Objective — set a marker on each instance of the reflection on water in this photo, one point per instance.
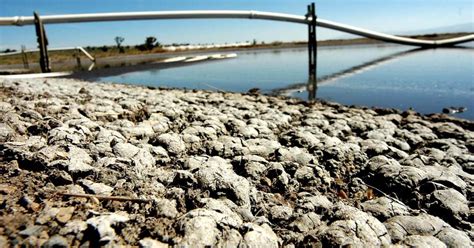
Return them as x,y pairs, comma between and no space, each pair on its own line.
312,88
384,76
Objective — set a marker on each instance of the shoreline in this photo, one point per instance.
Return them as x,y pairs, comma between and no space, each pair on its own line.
86,163
69,61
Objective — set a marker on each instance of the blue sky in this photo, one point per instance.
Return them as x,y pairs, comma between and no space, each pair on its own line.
392,16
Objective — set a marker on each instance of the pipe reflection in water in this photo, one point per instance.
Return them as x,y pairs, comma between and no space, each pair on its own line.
291,89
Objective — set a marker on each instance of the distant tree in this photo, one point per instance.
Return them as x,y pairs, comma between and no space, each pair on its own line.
119,40
104,48
150,42
254,42
8,50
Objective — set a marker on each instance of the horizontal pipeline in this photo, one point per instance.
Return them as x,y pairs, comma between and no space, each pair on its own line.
221,14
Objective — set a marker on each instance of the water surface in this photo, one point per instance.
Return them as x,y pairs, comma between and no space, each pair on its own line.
373,75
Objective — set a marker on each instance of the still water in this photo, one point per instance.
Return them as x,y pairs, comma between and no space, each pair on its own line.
373,75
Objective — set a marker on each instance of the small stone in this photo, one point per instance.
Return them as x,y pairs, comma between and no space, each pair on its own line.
56,242
79,160
200,231
73,227
64,214
47,214
384,208
60,177
151,243
449,205
423,241
3,241
166,208
454,238
171,141
306,222
103,225
7,189
32,231
125,150
281,212
424,224
27,203
260,236
96,188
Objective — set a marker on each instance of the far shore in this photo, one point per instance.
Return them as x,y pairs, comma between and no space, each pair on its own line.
66,60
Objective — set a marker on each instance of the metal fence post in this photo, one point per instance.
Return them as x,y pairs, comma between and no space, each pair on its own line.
42,43
24,57
312,85
312,46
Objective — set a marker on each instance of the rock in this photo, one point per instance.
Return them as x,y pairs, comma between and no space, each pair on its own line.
65,136
56,241
449,205
60,177
32,231
449,130
225,146
125,150
151,243
306,222
96,188
107,135
399,227
219,180
228,208
28,203
3,241
166,208
280,213
259,236
171,141
422,241
79,161
262,147
300,139
374,147
105,223
388,173
384,208
454,238
441,175
6,132
354,227
250,166
306,176
230,238
46,214
294,154
73,227
200,228
280,180
64,214
313,203
184,178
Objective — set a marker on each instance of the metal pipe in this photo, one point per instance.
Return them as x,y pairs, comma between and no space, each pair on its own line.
198,14
154,15
392,38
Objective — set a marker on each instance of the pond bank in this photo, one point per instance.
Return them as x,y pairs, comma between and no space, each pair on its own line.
203,168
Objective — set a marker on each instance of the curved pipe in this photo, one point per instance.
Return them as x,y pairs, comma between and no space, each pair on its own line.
205,14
